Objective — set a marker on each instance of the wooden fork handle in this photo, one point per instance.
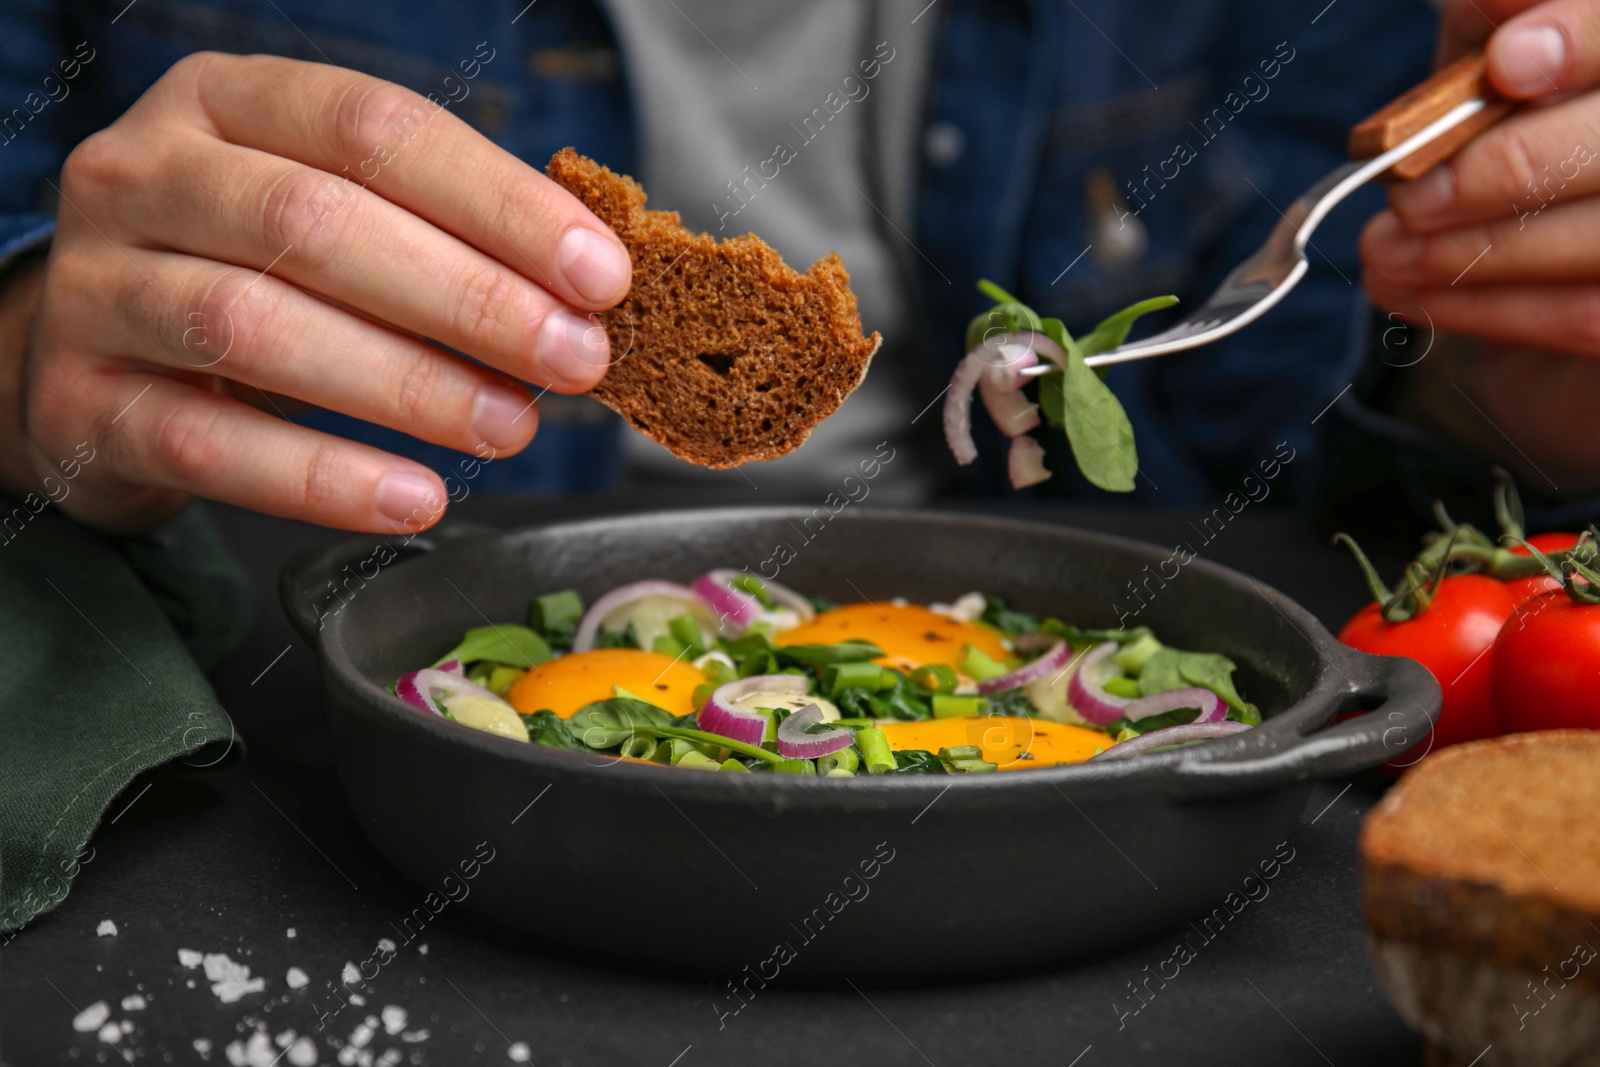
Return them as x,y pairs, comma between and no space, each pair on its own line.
1408,113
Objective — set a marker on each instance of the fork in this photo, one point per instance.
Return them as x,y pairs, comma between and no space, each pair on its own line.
1403,140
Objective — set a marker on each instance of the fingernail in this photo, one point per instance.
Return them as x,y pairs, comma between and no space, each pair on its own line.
597,266
572,351
1428,195
408,496
500,414
1529,58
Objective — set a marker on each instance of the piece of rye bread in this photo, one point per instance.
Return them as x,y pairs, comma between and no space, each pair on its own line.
1481,877
721,352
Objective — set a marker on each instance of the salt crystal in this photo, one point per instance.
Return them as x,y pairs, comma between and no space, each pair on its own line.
390,1057
133,1002
303,1053
519,1052
361,1035
127,1026
91,1017
350,976
110,1033
289,932
358,1000
386,944
255,1053
189,957
229,980
422,949
411,1037
394,1019
285,1039
107,928
296,978
203,1046
190,983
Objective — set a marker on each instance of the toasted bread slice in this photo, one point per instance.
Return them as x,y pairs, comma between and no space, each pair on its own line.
721,352
1481,873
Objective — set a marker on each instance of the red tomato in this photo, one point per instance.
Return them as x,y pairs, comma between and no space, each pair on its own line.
1546,672
1524,588
1451,638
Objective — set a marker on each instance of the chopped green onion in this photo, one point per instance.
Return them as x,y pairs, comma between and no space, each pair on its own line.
686,629
936,678
951,706
668,645
875,751
702,693
840,764
868,676
731,764
696,761
554,611
501,679
979,665
1131,657
749,583
1125,734
1122,687
796,766
965,759
638,747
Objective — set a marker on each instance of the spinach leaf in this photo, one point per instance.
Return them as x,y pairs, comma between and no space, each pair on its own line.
628,638
1010,702
902,701
1007,316
997,614
819,604
1097,428
545,728
1171,668
608,723
1113,330
828,655
515,646
917,761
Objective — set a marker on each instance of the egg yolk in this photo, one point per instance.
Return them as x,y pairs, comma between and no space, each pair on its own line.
911,636
1013,742
567,683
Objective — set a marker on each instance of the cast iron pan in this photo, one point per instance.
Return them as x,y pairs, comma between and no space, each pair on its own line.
891,879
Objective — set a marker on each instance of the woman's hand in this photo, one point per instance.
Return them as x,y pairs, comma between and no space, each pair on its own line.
1502,243
255,229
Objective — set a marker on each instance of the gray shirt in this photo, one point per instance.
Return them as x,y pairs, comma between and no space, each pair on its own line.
830,92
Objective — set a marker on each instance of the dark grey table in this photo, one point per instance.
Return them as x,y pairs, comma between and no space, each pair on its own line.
228,861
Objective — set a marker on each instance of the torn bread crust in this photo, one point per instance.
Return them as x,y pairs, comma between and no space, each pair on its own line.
721,353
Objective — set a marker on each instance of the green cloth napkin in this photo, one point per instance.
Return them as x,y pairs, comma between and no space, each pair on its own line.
104,645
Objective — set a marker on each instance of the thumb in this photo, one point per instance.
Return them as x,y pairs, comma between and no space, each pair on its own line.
1553,47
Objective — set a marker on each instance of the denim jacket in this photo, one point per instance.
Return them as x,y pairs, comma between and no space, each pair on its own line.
1082,153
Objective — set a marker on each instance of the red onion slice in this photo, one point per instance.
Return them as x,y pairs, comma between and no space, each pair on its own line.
589,626
1025,464
1086,693
1050,663
736,609
422,689
958,408
795,743
1170,735
1212,709
721,715
996,365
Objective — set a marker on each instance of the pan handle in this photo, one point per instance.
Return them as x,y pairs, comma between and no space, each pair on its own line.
1400,699
307,581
